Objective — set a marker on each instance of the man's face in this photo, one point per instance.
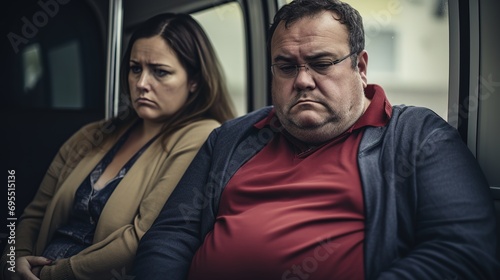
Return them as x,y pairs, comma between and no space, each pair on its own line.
316,107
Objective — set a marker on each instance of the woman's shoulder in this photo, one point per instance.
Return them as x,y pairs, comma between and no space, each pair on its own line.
198,126
204,123
94,134
85,131
97,127
196,131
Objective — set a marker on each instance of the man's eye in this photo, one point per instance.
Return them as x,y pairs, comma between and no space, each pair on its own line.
135,69
320,65
287,68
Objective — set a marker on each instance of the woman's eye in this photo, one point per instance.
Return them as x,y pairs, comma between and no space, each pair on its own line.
135,69
160,72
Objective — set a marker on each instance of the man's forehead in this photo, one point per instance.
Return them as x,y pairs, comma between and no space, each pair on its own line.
320,23
311,30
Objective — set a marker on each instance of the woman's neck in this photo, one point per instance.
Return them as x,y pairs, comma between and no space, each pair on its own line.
148,130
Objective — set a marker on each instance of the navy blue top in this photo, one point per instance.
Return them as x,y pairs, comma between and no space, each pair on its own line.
78,233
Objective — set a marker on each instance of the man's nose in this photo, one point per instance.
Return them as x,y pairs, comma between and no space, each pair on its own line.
304,79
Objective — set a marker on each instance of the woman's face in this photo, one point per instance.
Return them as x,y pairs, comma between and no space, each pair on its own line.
158,83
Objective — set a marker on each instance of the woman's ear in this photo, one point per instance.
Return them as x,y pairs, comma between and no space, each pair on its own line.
193,86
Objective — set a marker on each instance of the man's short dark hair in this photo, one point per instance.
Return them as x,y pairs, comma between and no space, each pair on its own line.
345,14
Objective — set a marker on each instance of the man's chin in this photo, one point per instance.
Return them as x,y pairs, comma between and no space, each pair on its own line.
308,120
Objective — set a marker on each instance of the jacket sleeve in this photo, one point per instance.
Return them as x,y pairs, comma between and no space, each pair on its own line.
168,247
30,221
452,222
113,256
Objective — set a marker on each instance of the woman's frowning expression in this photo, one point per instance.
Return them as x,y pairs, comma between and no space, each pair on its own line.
159,84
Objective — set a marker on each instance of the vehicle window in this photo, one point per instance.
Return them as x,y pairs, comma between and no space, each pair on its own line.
32,67
66,79
57,62
225,28
408,50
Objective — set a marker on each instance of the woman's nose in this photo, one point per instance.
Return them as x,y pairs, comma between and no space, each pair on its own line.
143,83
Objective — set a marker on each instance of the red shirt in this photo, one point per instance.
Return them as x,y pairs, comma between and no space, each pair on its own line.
288,214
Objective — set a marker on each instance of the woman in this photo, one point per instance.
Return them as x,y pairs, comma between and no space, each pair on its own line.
109,181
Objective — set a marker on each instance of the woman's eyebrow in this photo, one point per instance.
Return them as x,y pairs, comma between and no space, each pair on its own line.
154,64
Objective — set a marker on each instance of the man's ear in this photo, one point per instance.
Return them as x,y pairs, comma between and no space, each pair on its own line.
363,66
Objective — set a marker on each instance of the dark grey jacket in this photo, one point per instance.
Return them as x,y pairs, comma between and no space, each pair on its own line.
427,205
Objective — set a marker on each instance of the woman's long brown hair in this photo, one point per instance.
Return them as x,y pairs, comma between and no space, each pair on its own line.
185,36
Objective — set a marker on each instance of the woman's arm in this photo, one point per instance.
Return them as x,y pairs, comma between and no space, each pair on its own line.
30,221
113,256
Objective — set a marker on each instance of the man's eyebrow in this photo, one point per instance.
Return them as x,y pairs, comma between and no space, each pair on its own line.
281,58
319,56
316,56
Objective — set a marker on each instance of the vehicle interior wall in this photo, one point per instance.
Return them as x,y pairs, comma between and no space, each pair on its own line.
488,104
53,82
489,97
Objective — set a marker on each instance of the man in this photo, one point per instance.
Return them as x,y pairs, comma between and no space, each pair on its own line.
330,183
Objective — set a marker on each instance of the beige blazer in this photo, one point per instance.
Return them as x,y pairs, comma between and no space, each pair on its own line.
127,215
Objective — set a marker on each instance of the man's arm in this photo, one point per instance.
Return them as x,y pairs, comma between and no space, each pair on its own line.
454,231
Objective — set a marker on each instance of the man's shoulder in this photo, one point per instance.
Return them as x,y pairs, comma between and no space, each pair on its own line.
409,125
246,121
239,128
409,110
415,116
419,122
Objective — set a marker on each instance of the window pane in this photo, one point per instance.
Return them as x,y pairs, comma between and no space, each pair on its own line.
225,28
32,67
66,76
419,49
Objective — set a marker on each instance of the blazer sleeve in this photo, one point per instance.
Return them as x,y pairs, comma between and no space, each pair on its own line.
27,230
453,226
168,247
113,256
